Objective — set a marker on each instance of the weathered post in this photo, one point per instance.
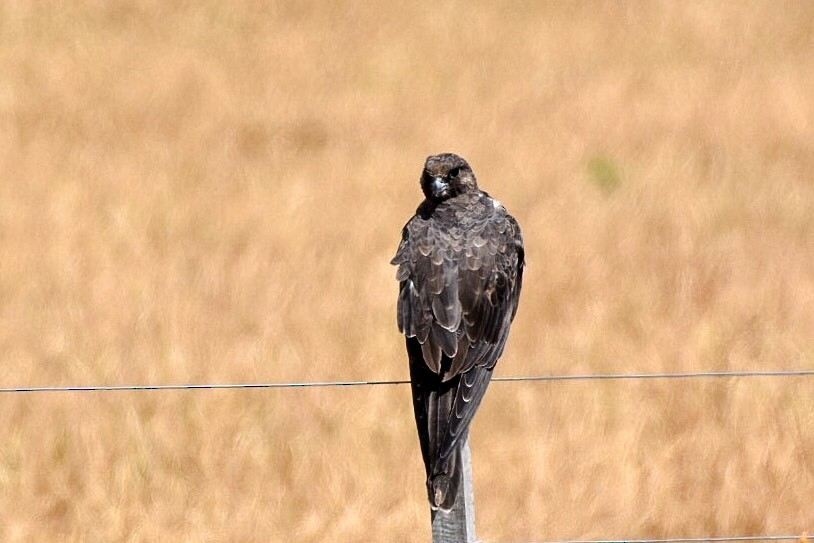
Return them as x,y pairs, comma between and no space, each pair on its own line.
458,526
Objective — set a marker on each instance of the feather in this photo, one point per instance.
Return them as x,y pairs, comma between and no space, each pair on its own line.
460,266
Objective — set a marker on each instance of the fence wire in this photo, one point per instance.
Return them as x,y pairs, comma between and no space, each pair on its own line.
803,538
322,384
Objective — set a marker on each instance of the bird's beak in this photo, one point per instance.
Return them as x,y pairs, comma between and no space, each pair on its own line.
439,187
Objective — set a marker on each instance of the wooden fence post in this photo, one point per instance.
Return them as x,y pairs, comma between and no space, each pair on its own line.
458,526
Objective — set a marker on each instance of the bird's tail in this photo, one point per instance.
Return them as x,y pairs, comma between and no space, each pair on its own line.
445,481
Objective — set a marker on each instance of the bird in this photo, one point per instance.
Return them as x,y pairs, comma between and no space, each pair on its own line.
460,270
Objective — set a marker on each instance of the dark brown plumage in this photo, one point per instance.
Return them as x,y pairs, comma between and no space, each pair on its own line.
460,267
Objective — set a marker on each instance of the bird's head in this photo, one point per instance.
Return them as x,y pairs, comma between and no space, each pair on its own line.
446,176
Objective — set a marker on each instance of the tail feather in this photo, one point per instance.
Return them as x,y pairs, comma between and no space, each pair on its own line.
442,430
443,484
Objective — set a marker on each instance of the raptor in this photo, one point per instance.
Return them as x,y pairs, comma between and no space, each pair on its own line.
460,271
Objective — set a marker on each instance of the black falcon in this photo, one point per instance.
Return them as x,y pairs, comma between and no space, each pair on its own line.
460,267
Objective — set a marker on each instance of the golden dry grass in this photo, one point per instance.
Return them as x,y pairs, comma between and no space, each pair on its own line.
211,192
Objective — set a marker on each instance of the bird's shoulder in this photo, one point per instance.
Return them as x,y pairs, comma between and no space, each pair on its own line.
460,220
474,232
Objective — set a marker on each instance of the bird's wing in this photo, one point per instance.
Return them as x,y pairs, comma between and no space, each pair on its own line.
429,305
490,289
491,277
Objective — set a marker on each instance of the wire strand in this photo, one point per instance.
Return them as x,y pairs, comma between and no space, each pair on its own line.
322,384
801,537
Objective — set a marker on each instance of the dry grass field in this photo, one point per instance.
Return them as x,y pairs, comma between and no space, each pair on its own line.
211,192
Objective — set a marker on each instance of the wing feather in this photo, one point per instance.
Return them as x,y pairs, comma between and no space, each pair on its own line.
460,278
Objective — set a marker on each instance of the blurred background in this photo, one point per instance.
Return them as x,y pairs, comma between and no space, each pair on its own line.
210,192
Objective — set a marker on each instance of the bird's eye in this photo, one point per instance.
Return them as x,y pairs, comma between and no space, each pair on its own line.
454,172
